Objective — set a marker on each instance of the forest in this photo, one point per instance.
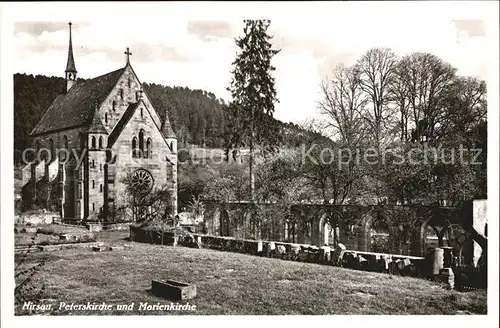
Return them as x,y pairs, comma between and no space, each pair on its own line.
198,117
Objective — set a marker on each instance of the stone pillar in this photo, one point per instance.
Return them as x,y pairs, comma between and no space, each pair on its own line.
63,189
437,260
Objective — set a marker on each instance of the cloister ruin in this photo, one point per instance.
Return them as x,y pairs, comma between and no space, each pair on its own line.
398,229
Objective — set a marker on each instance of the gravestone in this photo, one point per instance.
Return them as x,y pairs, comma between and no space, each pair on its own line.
326,254
447,276
270,249
437,260
338,253
260,247
294,251
281,251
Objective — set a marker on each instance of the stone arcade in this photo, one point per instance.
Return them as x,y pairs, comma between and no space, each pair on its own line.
110,129
406,227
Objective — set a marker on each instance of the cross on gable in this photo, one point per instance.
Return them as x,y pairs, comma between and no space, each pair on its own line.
128,53
140,94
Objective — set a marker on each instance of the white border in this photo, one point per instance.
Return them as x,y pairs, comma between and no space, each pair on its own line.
12,12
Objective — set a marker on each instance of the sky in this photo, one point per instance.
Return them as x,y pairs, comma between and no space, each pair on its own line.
192,44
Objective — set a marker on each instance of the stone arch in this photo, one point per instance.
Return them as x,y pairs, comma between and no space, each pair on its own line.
224,223
299,219
251,224
429,228
290,228
376,233
326,231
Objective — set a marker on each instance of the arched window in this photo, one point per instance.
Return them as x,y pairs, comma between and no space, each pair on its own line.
121,94
93,163
114,105
93,184
100,187
51,147
63,154
129,82
148,148
141,142
82,141
100,142
134,147
142,114
93,207
93,142
66,142
106,118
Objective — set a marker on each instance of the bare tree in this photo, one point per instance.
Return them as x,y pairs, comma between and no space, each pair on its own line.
399,95
146,205
342,105
377,71
464,106
427,78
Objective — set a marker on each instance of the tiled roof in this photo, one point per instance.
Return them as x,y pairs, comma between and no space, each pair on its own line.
77,106
167,130
96,126
127,115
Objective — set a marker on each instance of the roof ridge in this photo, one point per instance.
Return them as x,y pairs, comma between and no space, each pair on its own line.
102,75
77,106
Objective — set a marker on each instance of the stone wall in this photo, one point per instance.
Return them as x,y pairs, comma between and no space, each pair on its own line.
340,256
67,164
37,218
386,228
125,164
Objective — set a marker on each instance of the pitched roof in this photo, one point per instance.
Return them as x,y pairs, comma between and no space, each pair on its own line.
96,126
127,115
77,106
167,130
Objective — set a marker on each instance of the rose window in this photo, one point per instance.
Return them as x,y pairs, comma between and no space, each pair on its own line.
142,181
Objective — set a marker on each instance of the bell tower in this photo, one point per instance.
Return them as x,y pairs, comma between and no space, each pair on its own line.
70,66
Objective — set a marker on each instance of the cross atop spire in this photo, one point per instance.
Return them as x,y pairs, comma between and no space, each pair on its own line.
70,66
128,53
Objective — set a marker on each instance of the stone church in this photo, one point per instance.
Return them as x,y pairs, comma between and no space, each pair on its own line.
111,131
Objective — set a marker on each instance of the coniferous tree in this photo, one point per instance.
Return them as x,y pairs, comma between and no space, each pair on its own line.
253,92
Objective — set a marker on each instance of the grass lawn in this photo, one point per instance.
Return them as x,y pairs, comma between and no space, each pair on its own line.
229,283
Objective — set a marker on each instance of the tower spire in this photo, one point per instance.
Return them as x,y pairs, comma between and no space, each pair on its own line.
70,65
